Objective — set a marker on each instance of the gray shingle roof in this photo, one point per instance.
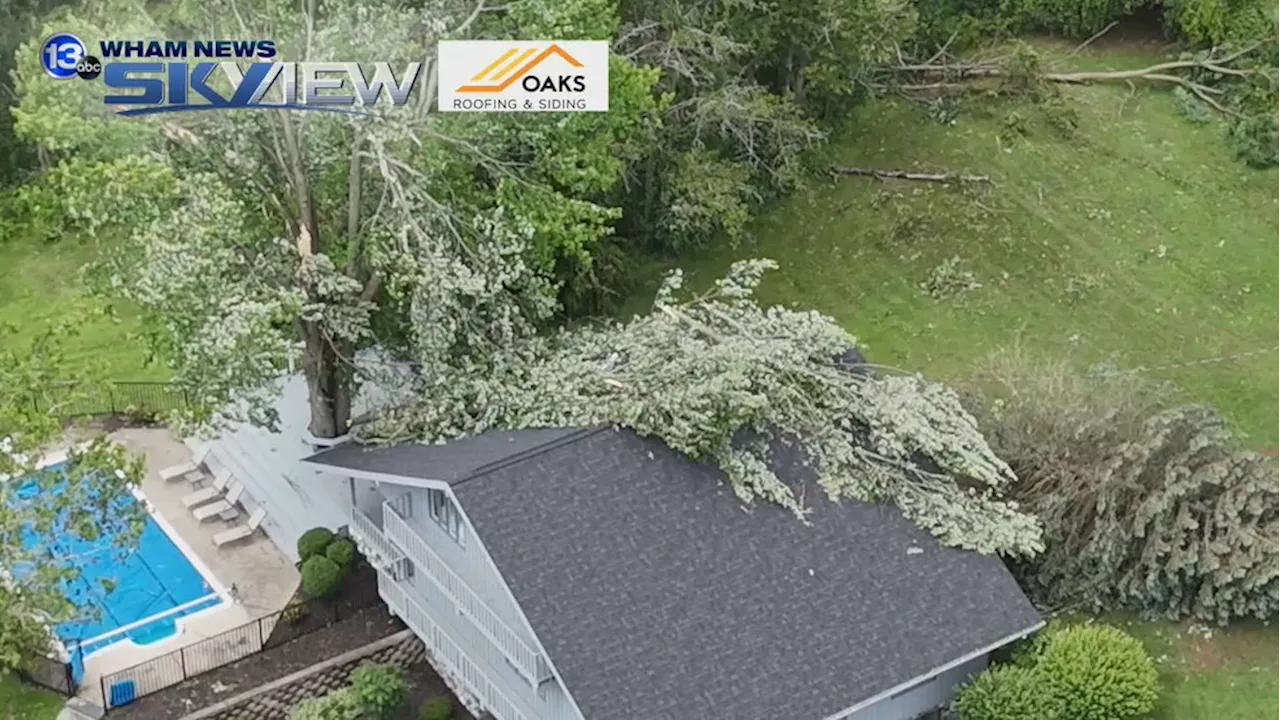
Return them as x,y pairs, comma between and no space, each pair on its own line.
657,595
450,462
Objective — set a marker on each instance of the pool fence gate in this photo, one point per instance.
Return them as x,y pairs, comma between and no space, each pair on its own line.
72,400
296,620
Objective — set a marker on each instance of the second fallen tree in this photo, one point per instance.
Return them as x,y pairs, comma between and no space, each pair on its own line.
939,74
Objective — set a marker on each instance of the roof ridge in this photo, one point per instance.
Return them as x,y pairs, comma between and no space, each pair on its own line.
523,455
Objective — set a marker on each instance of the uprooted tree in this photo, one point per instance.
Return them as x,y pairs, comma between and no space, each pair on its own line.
702,371
1147,502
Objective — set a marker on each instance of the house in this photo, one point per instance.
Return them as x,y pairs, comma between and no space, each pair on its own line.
594,574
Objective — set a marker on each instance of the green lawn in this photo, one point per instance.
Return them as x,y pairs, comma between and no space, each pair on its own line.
1211,673
41,284
19,701
1141,236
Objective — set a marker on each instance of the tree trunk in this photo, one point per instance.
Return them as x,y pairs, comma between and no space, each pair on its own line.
328,387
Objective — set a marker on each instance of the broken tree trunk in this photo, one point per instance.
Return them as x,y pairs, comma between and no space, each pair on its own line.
904,175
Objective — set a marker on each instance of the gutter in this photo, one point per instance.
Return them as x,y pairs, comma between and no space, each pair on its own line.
925,677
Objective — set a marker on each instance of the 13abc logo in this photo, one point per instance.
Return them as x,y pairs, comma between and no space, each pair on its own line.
63,56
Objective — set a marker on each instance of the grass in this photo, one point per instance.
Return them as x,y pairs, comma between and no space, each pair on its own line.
20,701
41,285
1140,237
1224,674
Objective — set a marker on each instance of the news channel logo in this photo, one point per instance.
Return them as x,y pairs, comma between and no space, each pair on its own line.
65,56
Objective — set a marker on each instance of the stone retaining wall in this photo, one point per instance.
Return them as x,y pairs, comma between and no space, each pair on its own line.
273,700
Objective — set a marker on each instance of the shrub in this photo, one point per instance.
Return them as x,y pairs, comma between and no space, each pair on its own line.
1097,672
1080,672
320,576
437,708
1254,140
337,705
313,542
1007,692
380,689
342,551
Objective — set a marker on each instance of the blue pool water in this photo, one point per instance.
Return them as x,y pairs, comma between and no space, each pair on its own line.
115,589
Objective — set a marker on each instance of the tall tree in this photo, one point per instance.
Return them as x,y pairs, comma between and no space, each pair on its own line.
252,238
80,499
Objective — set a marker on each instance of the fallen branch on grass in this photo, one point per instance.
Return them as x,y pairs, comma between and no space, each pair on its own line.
903,175
951,74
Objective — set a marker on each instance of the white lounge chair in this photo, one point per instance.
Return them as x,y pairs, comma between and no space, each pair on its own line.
213,492
241,532
226,507
177,471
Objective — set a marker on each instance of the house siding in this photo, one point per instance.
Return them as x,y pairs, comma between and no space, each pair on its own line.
933,693
547,703
468,561
295,496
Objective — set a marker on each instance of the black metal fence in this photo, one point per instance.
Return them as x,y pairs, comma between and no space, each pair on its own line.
296,620
50,674
70,400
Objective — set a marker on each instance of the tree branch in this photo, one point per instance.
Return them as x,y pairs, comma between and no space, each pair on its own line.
353,201
904,175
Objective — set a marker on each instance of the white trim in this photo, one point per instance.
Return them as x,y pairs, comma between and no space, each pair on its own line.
920,679
163,614
376,476
314,441
56,457
502,583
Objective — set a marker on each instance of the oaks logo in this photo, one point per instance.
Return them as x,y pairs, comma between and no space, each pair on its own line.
499,76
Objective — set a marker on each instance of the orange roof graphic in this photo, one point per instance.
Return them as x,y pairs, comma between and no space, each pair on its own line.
498,76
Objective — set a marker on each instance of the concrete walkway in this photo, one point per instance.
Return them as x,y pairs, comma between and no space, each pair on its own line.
254,577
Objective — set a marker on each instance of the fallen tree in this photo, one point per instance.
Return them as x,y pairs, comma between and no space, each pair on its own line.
707,372
943,72
1148,502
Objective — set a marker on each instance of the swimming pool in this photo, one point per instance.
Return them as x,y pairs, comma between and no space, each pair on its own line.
138,595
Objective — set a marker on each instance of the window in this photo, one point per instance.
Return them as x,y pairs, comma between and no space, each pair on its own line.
443,511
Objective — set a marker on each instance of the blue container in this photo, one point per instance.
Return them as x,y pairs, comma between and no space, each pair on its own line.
122,692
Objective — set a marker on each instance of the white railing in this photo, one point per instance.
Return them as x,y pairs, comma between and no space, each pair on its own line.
369,536
445,651
526,660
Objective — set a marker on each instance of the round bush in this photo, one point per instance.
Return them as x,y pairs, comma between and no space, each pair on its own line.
1097,672
320,576
380,689
313,542
342,551
437,708
1005,692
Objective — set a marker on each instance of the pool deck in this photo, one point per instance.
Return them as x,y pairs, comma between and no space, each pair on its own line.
258,578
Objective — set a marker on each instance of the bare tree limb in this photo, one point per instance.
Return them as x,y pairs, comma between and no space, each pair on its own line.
951,75
1093,37
904,175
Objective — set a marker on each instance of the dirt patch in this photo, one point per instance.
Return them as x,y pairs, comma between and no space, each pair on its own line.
1205,655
